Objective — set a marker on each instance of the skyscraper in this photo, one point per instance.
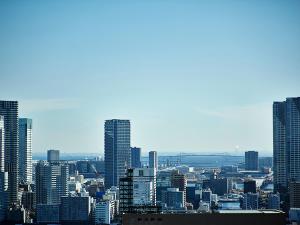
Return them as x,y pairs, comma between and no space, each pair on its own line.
286,139
51,182
25,150
153,160
3,175
116,150
135,157
53,156
251,160
1,143
9,110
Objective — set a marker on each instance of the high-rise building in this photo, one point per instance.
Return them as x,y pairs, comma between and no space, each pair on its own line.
2,137
116,150
25,150
153,163
251,160
53,156
179,181
51,182
286,139
136,157
294,194
47,213
9,110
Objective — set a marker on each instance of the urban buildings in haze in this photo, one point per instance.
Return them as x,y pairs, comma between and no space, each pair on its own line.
10,111
135,157
117,154
153,161
251,160
25,150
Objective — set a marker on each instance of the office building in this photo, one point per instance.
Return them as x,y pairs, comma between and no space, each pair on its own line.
173,198
3,175
286,138
294,216
25,150
117,152
179,181
207,196
274,201
249,186
138,188
102,212
53,156
47,213
153,161
136,157
222,217
251,160
29,200
2,137
294,194
51,182
9,110
75,209
250,201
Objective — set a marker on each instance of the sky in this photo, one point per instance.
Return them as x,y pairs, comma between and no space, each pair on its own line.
192,76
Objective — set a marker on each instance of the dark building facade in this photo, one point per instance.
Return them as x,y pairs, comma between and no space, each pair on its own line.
251,160
116,150
135,157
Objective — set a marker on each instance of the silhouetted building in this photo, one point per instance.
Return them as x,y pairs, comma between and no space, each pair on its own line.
47,213
251,160
116,150
9,110
295,194
250,201
136,157
250,186
179,181
173,198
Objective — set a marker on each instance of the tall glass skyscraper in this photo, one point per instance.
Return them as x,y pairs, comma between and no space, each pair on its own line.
286,143
25,150
117,152
9,110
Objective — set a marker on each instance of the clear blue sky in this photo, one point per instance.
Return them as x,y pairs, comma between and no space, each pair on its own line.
193,76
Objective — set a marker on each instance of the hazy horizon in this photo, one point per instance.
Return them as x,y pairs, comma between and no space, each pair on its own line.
196,75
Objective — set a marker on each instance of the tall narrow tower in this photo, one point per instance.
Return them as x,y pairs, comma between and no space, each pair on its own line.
25,150
9,110
117,152
153,160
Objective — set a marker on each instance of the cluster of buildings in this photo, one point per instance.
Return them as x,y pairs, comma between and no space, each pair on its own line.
123,189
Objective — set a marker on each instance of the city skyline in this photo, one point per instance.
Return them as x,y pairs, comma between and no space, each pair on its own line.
206,70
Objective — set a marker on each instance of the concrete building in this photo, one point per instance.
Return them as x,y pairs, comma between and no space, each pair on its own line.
135,157
102,212
25,150
117,152
53,156
251,160
9,110
153,160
